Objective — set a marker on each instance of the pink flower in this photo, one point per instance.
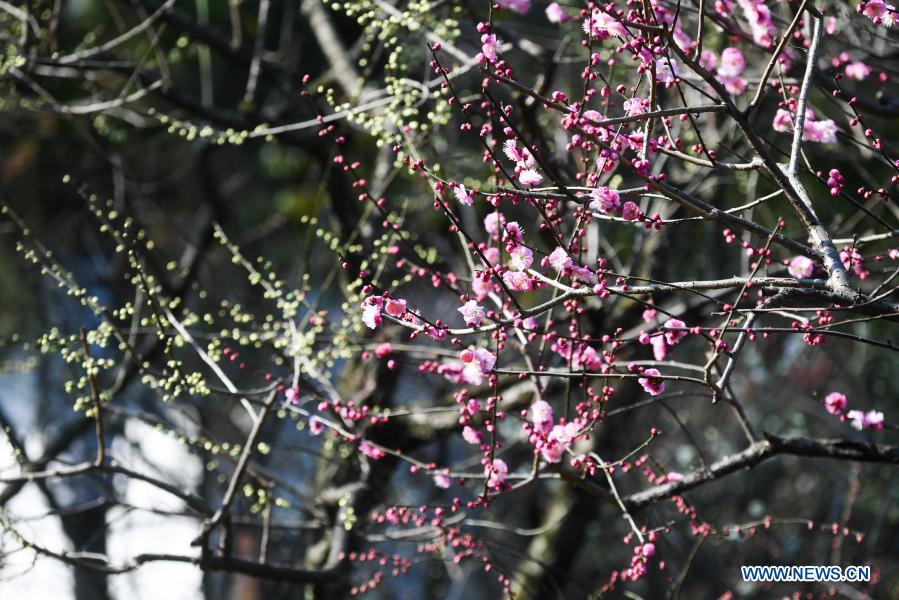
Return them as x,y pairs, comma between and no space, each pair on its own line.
674,477
517,281
371,315
559,259
667,70
648,550
370,450
635,106
555,14
292,395
708,60
485,360
473,313
835,403
630,211
521,258
494,222
602,26
732,63
870,420
801,267
653,386
510,149
316,426
783,120
471,435
519,6
878,11
673,337
383,349
823,132
605,200
659,347
496,473
530,177
489,42
514,232
441,480
857,70
395,308
759,16
462,195
542,416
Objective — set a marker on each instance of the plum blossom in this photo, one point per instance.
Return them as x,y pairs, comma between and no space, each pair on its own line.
732,63
371,311
542,416
635,106
519,6
559,259
471,435
801,267
530,177
667,70
835,403
759,16
473,313
878,11
605,200
650,383
462,195
316,426
521,258
674,477
602,26
674,336
514,232
395,308
659,347
517,281
630,211
824,132
494,222
708,60
441,480
383,349
857,70
370,450
555,14
872,419
496,473
489,42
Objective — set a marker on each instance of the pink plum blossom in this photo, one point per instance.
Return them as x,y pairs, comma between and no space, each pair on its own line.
674,336
605,200
395,308
559,259
801,267
521,258
878,11
650,383
835,403
601,26
462,195
517,281
530,177
541,416
555,14
496,473
471,435
473,313
370,450
630,211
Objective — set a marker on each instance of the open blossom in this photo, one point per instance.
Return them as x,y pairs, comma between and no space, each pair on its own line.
473,313
605,200
835,403
542,416
801,267
824,131
519,6
879,12
872,419
462,195
370,450
521,258
471,435
517,281
732,63
602,26
635,106
559,259
496,473
650,383
759,16
395,308
708,60
494,222
371,311
659,347
857,70
530,177
489,42
554,13
673,337
667,70
630,211
441,480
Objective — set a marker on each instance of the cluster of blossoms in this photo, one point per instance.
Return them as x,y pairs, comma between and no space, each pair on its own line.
878,11
836,403
661,342
823,131
551,439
